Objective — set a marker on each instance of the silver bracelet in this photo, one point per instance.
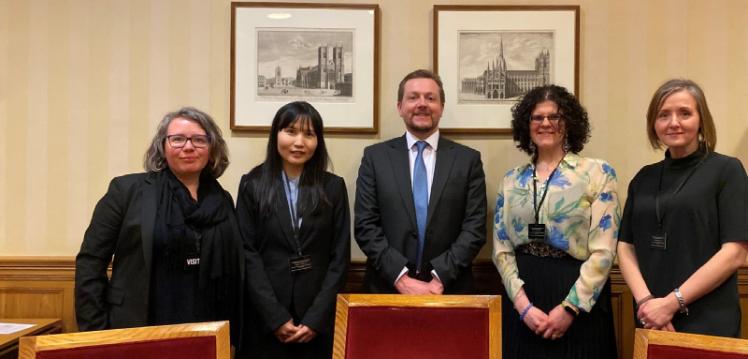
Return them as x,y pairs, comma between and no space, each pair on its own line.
681,301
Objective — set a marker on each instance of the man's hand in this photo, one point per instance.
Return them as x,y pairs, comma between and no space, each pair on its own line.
436,286
408,285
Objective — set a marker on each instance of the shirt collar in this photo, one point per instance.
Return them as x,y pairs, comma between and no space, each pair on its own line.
570,160
432,140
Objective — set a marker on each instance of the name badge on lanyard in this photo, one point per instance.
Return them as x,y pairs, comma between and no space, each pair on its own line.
192,258
536,231
300,262
658,239
191,261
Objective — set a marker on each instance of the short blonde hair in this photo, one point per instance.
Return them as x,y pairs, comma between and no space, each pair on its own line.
155,159
707,131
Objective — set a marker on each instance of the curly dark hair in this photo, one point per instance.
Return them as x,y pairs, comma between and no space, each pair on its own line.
574,116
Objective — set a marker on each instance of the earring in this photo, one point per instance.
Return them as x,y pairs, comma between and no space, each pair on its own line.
532,147
566,144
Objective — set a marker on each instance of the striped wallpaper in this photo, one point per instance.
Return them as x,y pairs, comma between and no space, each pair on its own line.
83,83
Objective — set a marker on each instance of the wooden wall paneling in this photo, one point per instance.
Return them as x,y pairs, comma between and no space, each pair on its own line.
30,302
743,292
38,287
42,287
622,306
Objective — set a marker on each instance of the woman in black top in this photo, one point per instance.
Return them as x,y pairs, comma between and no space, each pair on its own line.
684,231
295,221
170,234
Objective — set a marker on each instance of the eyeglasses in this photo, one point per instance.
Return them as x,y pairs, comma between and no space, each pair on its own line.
198,141
554,117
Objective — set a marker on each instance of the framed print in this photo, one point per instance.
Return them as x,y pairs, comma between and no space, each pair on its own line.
325,54
489,56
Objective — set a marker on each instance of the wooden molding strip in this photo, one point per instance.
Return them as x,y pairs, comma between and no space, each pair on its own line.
33,268
37,268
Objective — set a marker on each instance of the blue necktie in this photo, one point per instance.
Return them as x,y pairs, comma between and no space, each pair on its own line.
420,199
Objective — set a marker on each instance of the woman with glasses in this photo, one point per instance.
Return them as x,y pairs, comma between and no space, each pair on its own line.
172,234
555,229
684,232
295,220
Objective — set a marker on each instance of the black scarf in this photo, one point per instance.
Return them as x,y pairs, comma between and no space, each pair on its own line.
207,228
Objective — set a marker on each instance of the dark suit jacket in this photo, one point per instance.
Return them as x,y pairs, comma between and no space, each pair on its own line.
269,244
122,226
385,220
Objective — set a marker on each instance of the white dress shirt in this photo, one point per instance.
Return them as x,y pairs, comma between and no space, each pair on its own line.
429,159
429,156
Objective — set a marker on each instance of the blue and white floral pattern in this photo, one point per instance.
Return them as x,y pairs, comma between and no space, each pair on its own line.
581,213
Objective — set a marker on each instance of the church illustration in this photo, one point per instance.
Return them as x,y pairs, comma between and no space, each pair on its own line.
499,82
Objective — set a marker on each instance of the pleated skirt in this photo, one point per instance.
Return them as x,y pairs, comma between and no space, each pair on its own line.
547,282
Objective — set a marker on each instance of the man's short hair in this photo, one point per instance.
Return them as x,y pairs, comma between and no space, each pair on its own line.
420,74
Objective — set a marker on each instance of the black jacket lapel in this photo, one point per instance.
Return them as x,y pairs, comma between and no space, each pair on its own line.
284,218
445,157
148,219
400,162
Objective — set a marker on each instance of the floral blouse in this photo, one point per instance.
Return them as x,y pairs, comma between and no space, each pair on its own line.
581,214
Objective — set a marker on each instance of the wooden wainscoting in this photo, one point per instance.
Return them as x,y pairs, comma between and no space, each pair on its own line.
42,287
38,287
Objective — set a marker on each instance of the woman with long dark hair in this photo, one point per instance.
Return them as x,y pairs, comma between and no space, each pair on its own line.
295,221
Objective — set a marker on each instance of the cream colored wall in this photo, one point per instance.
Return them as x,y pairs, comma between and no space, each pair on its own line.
83,83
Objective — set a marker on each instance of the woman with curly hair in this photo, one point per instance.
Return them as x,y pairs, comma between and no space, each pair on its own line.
555,230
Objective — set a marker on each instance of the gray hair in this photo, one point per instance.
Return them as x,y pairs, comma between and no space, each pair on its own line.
155,159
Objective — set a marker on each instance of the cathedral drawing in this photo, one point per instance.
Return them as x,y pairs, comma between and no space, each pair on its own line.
498,82
304,64
327,74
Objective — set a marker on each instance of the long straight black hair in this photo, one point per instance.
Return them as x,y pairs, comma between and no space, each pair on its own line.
311,186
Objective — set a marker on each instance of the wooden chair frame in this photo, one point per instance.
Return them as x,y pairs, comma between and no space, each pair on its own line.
344,301
644,337
29,346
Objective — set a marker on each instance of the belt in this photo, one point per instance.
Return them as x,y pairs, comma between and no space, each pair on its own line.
539,249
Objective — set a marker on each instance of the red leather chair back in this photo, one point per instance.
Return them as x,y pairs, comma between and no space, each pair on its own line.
406,327
656,344
194,348
193,340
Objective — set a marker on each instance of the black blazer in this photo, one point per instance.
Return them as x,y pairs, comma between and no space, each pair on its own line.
269,244
122,226
385,220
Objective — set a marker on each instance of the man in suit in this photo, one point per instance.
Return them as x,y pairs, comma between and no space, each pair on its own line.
420,210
